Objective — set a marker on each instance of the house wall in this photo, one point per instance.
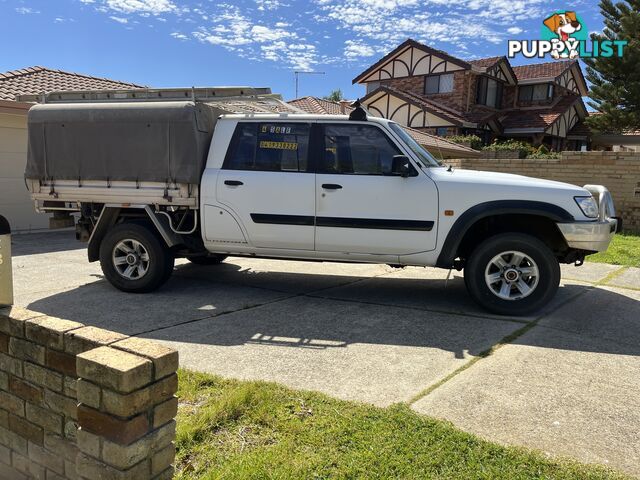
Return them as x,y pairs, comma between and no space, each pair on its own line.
618,171
15,203
456,100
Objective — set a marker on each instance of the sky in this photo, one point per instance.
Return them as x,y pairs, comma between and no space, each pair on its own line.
260,43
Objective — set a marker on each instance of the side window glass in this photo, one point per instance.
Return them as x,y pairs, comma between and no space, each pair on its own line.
357,150
269,147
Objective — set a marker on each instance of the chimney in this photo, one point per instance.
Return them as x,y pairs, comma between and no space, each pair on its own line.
344,105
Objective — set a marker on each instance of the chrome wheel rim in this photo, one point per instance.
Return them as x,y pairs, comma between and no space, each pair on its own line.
130,259
512,275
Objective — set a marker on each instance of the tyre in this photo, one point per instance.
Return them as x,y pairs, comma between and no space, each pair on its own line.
211,259
134,259
512,274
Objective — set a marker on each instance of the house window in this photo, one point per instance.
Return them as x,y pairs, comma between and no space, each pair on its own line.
438,84
489,92
536,93
371,86
442,131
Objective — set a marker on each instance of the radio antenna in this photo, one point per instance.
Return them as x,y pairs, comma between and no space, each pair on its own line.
297,73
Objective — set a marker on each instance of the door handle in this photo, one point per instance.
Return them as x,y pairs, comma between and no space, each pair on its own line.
331,186
233,183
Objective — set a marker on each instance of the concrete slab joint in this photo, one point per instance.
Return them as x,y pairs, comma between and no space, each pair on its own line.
80,402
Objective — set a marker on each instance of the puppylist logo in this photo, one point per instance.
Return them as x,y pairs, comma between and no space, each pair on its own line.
564,35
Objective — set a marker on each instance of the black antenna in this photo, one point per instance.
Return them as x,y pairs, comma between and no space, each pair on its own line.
359,114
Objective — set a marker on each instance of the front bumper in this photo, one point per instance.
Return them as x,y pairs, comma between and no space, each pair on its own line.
593,236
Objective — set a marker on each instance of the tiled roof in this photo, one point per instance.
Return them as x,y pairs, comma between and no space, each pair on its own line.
542,70
484,62
35,80
254,106
438,145
320,106
581,129
429,105
539,118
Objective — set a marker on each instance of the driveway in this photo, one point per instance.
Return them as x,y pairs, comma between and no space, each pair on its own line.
565,381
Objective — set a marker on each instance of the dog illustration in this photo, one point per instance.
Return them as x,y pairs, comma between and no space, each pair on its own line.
564,25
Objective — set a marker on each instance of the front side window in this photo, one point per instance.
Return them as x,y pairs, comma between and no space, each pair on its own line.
269,147
357,150
438,84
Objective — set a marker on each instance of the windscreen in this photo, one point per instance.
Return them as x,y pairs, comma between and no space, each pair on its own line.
415,147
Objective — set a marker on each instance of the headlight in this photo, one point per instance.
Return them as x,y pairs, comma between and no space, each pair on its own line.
588,206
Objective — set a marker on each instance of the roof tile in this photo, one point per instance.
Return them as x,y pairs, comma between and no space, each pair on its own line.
36,80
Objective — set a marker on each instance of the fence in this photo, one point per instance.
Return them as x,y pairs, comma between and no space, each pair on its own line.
618,171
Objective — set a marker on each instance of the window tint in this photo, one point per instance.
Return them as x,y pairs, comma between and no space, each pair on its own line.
357,150
270,147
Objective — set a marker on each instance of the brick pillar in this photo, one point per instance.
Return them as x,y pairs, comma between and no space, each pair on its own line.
126,411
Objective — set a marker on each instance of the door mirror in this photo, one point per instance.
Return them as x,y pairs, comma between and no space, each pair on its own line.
401,166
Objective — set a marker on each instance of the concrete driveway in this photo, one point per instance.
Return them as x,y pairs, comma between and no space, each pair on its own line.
566,381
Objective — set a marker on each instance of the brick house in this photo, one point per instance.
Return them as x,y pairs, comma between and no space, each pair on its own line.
432,91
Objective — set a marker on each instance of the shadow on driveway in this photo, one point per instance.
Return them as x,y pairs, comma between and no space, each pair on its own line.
228,306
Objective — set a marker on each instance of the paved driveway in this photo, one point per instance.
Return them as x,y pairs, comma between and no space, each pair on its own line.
566,381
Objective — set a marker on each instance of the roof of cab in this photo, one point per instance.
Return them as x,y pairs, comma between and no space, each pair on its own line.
294,116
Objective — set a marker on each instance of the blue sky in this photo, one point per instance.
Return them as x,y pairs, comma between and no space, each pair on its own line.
165,43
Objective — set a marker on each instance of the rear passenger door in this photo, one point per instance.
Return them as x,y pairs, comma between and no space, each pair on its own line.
266,183
361,206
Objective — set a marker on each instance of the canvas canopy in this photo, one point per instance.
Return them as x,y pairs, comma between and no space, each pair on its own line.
134,141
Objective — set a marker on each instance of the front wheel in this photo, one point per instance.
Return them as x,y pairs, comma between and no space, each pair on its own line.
134,259
512,274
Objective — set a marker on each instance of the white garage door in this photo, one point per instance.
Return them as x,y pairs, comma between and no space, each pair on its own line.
15,203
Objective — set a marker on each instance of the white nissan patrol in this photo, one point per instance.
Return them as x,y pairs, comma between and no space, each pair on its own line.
306,187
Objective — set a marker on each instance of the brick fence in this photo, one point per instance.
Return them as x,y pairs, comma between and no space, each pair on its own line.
80,402
618,171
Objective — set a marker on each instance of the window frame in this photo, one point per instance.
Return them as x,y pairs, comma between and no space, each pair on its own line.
482,93
234,143
438,75
321,135
531,87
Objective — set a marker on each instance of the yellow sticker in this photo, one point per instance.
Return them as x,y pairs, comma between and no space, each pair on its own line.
279,145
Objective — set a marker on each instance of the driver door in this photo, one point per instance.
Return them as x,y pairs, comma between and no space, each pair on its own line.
361,207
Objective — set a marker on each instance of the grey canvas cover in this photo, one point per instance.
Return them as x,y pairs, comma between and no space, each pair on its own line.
135,141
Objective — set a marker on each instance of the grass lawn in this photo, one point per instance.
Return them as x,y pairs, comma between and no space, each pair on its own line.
257,430
623,250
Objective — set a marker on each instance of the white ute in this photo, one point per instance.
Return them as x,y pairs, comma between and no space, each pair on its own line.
152,179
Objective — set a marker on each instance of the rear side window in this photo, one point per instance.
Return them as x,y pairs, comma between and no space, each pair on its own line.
357,150
269,147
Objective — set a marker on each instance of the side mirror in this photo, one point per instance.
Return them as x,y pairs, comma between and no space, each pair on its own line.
401,166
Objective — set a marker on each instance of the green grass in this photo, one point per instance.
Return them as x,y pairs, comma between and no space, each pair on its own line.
233,429
623,250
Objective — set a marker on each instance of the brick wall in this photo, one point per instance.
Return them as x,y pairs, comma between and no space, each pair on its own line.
618,171
80,402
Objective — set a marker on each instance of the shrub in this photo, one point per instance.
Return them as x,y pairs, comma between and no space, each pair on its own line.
473,141
523,148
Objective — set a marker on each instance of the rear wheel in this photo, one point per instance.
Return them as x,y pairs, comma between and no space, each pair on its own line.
211,259
134,259
512,274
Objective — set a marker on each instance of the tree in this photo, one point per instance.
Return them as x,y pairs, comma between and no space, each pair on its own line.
334,96
615,81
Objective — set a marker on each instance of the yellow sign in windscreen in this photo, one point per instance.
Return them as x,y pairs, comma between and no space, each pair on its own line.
279,145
